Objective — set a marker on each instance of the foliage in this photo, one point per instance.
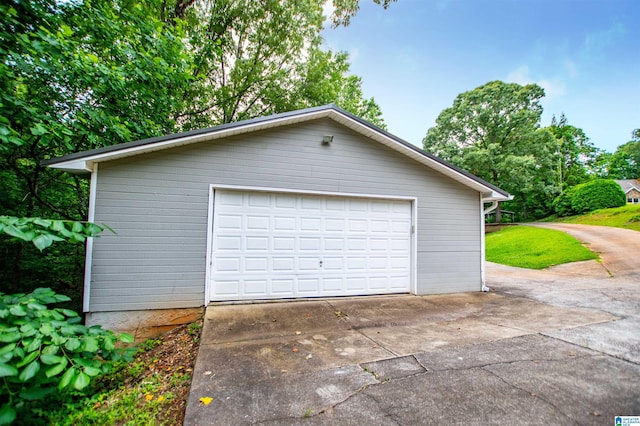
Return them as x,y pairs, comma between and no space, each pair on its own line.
43,232
46,350
627,217
493,132
625,162
597,194
577,155
534,248
76,76
151,390
562,205
260,58
589,196
79,75
344,10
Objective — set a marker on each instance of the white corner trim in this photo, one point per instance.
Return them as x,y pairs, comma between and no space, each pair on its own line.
88,258
483,247
209,256
414,245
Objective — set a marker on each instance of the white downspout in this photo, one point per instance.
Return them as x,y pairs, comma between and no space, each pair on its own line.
483,213
492,207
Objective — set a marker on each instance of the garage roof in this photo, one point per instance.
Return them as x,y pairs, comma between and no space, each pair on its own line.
82,162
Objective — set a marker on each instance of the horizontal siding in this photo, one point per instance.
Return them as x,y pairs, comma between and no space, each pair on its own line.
157,204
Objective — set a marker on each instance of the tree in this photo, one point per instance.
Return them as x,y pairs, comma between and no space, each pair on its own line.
577,156
344,10
324,79
625,162
75,76
493,132
87,74
264,57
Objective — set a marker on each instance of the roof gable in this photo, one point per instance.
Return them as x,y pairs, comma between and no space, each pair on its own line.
83,162
629,185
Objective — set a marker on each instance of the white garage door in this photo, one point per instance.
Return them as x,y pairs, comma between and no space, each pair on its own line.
280,245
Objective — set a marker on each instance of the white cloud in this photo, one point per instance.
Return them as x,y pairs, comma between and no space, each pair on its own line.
552,87
571,68
327,9
598,41
520,76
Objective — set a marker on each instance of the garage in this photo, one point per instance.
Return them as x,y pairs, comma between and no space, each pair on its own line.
301,204
274,245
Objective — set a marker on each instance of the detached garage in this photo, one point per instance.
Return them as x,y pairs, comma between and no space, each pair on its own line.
310,203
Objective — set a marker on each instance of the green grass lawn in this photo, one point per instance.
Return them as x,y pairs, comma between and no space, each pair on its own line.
534,248
620,217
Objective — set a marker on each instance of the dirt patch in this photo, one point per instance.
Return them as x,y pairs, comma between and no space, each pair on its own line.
170,361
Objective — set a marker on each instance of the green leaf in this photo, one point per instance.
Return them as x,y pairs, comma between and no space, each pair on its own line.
34,345
57,369
90,345
36,306
29,371
30,357
45,223
126,338
38,130
7,414
108,343
8,370
67,377
73,344
92,371
50,349
46,329
7,349
51,359
18,311
43,241
9,336
69,312
81,381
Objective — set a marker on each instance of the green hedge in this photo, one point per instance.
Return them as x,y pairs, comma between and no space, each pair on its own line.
589,196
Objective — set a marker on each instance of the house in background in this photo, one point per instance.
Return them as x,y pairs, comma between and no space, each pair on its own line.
309,203
631,188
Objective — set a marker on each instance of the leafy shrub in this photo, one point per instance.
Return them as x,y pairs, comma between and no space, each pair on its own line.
562,203
48,350
590,196
44,232
597,194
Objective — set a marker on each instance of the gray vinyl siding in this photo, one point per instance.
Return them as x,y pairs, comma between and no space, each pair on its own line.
158,203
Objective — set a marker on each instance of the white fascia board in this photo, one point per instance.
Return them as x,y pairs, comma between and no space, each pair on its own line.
85,164
75,166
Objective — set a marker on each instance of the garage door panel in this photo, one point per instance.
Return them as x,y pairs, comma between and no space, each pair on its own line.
290,245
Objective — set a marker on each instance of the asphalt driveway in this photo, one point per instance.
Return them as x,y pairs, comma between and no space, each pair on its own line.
558,346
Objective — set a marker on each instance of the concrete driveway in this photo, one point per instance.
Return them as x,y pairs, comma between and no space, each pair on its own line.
558,346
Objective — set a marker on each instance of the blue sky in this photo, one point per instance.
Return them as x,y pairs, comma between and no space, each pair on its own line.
418,55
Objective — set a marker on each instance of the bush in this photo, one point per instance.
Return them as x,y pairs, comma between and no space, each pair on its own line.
562,203
48,350
590,196
597,194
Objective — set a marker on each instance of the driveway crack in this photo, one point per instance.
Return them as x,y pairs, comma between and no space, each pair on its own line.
546,401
